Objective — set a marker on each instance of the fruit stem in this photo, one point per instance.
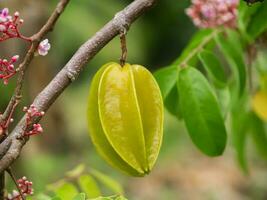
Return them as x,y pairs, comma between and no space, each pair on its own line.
123,47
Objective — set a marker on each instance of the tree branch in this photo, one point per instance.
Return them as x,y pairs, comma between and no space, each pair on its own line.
70,72
35,40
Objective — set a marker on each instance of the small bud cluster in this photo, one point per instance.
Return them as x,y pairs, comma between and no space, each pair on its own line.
7,69
213,13
9,25
32,112
25,187
9,28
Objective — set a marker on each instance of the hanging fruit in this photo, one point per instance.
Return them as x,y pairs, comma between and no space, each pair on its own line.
125,117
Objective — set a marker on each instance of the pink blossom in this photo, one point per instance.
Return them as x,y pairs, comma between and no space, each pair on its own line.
9,25
44,47
213,13
4,15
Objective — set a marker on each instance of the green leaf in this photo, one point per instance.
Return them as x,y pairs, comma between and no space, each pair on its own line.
214,68
232,49
114,197
80,196
76,172
166,78
244,16
260,63
52,187
110,183
257,24
89,186
103,198
201,112
40,196
240,125
56,198
259,135
224,98
120,198
235,38
172,103
67,191
200,39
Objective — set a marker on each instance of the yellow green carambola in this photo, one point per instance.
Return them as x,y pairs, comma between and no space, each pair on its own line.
125,117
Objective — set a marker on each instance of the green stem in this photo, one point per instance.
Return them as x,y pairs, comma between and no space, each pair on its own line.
199,48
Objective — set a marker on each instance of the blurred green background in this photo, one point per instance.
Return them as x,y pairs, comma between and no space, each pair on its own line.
154,41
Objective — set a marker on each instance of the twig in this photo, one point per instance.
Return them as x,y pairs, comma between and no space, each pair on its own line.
71,71
6,123
9,171
196,50
35,40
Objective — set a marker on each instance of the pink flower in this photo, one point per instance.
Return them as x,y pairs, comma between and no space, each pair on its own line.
9,25
44,47
213,13
4,15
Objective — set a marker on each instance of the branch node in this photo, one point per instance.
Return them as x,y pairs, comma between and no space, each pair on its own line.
120,20
72,74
